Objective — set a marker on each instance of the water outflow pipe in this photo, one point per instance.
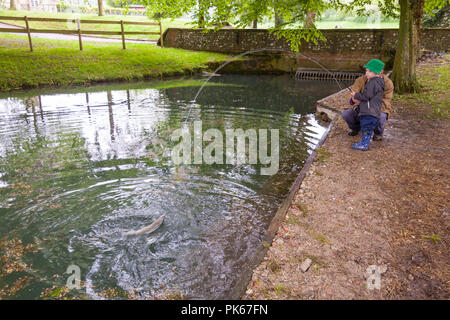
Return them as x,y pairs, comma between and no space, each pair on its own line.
320,75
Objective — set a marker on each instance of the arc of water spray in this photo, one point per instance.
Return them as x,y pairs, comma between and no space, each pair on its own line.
249,52
246,53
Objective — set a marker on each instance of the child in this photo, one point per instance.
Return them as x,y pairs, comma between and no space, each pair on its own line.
371,100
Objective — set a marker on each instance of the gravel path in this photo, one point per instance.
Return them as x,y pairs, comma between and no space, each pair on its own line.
384,210
58,36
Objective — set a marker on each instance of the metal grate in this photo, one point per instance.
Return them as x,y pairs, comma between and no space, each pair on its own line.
324,75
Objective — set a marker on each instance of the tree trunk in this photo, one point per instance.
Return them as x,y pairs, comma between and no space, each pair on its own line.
201,14
101,11
309,19
12,5
404,71
255,24
278,19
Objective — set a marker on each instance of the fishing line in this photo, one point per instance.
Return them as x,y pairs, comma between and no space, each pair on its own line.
254,51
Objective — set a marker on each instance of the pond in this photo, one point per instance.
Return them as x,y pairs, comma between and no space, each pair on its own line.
80,166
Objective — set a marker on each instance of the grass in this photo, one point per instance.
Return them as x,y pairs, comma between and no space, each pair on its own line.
178,23
60,63
322,155
319,237
280,289
434,95
296,221
303,208
343,24
435,238
273,266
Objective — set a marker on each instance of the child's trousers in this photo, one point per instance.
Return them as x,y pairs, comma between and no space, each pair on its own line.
368,124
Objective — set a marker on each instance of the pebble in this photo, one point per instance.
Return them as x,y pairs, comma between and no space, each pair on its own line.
305,265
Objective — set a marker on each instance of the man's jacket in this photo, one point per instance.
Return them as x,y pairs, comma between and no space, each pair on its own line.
360,83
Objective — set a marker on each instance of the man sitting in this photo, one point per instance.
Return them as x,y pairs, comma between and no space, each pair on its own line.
351,116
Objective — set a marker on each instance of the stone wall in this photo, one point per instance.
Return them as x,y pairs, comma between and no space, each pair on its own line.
344,49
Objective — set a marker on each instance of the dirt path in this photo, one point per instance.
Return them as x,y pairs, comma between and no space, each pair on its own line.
57,36
386,208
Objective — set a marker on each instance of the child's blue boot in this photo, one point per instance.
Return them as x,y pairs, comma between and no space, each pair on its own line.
363,144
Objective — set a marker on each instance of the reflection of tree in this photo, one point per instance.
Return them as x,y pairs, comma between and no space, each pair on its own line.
32,164
111,116
87,104
128,101
40,109
31,103
261,93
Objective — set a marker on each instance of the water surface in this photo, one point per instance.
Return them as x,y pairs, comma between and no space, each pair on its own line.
80,166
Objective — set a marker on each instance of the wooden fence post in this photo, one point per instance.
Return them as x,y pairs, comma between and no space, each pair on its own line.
161,35
123,35
79,33
29,34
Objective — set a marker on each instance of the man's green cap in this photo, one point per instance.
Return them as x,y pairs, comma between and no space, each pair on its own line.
375,65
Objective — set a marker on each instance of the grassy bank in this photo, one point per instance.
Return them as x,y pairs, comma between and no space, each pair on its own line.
433,100
166,23
59,63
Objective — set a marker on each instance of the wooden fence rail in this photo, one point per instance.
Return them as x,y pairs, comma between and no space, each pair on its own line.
78,30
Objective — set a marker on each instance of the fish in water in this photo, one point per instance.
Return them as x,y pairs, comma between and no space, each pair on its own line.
154,226
209,74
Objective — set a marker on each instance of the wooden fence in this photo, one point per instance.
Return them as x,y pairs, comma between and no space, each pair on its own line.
78,30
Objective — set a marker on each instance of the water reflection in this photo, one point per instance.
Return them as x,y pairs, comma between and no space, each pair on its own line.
77,169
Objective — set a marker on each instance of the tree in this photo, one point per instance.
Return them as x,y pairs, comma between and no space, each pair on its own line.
12,5
295,22
278,19
297,26
408,45
165,9
404,71
101,10
250,12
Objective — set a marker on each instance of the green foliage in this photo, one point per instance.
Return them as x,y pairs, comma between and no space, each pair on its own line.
215,14
253,10
431,7
160,9
41,157
438,17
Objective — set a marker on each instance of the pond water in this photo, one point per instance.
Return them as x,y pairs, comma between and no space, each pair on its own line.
80,166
